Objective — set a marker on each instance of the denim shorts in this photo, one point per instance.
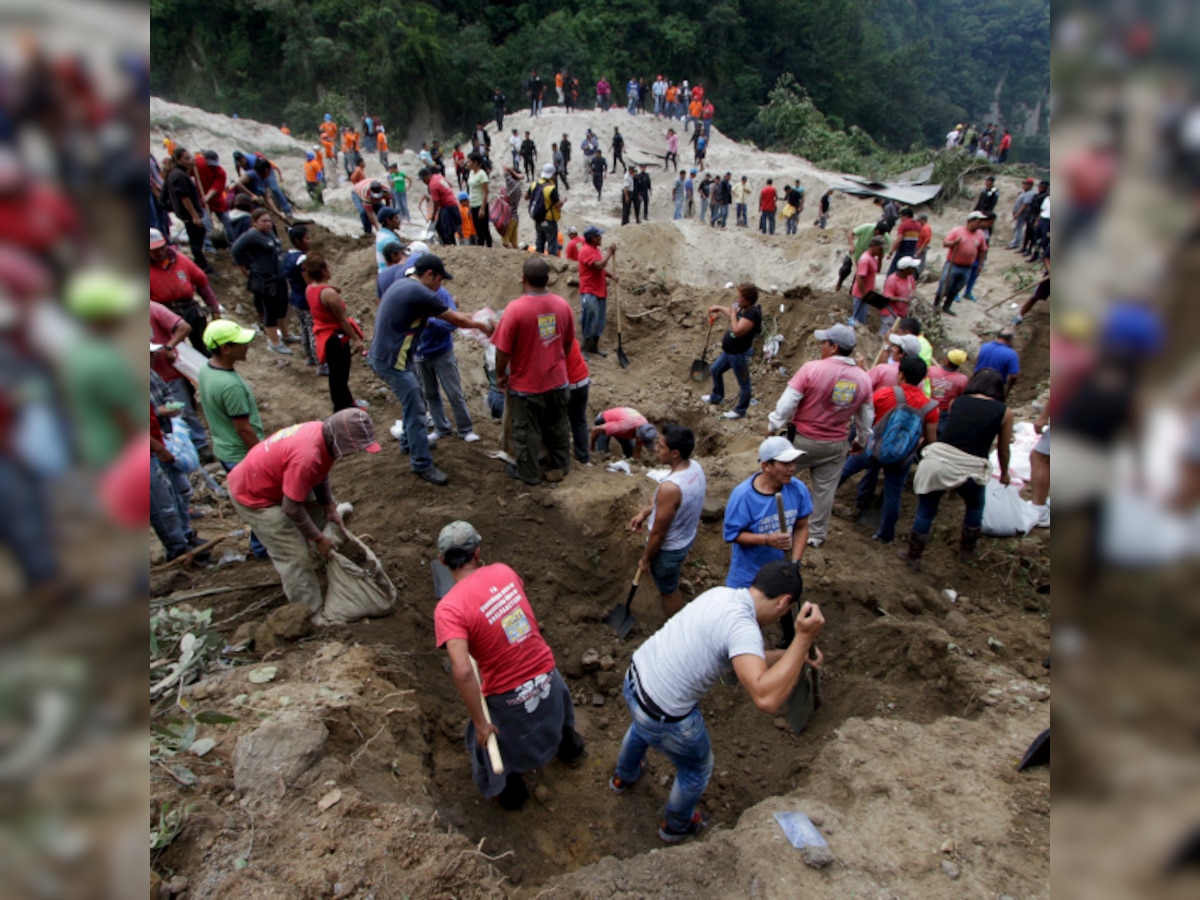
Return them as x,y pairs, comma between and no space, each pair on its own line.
664,569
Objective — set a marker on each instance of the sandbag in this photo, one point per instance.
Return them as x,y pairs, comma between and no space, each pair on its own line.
358,586
1005,513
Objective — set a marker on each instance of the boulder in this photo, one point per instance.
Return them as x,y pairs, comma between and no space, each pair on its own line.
291,621
284,747
957,624
713,510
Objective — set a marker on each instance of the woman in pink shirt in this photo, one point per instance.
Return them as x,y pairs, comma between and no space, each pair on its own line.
672,157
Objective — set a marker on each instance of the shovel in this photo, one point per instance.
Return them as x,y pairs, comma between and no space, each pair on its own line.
806,697
620,619
621,357
442,582
700,367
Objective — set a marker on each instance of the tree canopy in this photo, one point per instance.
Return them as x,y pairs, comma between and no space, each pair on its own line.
903,71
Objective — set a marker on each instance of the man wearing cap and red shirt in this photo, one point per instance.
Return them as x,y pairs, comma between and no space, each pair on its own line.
272,487
532,342
371,197
886,374
899,289
819,401
967,244
446,217
174,282
212,177
946,383
593,288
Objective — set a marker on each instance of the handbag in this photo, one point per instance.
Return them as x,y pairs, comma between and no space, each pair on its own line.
500,213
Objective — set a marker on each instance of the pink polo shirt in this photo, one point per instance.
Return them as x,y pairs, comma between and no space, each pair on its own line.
833,389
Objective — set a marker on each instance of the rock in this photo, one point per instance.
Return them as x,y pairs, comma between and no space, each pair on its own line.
781,723
606,663
817,857
265,638
572,667
155,885
607,680
817,819
912,604
244,636
597,699
948,846
177,885
329,799
291,621
590,661
826,581
934,601
542,794
713,510
957,624
284,747
950,869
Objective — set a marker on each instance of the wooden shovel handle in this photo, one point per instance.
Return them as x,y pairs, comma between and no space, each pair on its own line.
782,512
493,746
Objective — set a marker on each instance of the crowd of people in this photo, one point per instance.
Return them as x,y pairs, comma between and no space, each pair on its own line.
838,418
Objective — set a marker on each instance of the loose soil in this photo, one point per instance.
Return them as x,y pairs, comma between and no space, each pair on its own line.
907,765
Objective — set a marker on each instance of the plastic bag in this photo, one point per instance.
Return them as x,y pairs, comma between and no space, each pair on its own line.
179,442
1005,513
358,586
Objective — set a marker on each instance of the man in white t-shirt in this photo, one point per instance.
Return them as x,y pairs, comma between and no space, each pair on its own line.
674,514
718,633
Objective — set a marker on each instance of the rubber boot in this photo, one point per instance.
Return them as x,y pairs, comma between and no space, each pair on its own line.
967,542
914,551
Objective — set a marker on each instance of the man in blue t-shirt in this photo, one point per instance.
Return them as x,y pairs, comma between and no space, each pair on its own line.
1000,355
752,526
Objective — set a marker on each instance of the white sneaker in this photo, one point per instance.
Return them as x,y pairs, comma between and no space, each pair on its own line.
433,437
733,414
815,542
706,398
362,404
1043,515
471,438
279,348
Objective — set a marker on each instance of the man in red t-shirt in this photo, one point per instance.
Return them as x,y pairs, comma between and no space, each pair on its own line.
212,177
947,383
965,245
593,288
168,331
768,199
445,214
487,619
912,371
272,487
865,274
174,282
532,341
574,242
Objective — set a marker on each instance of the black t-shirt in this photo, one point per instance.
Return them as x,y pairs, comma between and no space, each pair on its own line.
261,253
988,200
499,100
528,147
824,203
641,183
731,344
793,197
599,164
564,147
180,185
618,141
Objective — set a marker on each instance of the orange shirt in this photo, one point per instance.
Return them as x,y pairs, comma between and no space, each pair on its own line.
169,145
558,81
468,227
694,109
349,141
312,171
285,129
381,142
672,94
328,131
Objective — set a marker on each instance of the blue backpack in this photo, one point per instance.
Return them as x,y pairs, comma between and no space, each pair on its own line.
899,433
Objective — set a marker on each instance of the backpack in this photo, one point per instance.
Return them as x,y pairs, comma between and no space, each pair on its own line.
897,439
539,201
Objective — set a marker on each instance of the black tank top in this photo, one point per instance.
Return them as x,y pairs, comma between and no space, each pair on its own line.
973,424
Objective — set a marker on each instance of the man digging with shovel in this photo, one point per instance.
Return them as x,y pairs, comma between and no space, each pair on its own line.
486,619
718,632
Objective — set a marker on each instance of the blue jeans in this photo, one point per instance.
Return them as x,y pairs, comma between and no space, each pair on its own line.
547,237
927,507
956,280
443,370
766,221
168,510
256,546
277,193
969,293
792,224
28,535
362,212
679,208
894,478
740,363
859,314
408,390
740,212
594,315
685,743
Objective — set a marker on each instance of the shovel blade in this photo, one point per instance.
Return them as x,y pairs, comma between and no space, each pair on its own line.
802,702
621,620
699,370
621,357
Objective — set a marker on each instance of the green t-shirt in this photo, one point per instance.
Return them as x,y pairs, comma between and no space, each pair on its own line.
862,239
225,396
100,383
399,183
476,182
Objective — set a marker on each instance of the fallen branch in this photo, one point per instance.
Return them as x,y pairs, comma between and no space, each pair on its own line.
179,597
187,557
253,607
359,752
651,310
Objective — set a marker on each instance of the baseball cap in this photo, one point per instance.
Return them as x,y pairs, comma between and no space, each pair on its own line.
462,195
548,170
646,434
351,430
593,230
958,357
842,335
376,189
572,230
976,215
310,156
226,331
458,535
156,239
430,263
909,343
990,178
103,295
211,156
418,248
1005,332
778,449
908,262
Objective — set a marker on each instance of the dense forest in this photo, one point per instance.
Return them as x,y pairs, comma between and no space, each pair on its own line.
902,71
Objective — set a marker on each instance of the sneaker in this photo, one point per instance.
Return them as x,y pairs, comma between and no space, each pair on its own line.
434,475
1043,515
948,312
433,437
471,437
815,542
708,398
971,297
322,370
671,836
362,404
279,348
733,414
617,786
310,362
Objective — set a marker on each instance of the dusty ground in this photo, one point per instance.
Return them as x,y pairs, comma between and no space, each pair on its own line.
908,765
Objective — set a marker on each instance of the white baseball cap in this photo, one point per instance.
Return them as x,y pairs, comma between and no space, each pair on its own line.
778,449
